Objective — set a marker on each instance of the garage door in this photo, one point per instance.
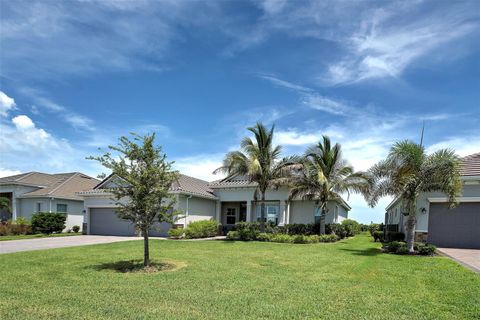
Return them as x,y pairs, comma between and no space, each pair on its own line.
104,221
454,228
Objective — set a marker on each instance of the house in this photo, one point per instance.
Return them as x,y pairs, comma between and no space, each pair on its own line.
436,223
34,192
228,201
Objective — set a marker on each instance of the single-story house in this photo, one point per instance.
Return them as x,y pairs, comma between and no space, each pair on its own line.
228,201
436,223
34,192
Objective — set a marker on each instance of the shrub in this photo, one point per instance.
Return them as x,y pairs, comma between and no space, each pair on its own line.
393,246
48,222
176,233
233,235
395,236
373,227
426,249
327,238
377,236
352,227
336,229
201,229
76,228
282,238
265,237
402,250
247,230
3,229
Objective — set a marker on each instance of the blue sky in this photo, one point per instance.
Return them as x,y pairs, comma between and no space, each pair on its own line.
76,75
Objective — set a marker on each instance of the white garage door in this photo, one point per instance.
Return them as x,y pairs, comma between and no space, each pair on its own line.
104,221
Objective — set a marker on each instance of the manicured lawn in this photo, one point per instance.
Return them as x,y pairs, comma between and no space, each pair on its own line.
33,236
225,280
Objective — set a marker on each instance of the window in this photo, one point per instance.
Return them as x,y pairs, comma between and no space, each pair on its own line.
271,212
231,215
39,207
61,208
317,214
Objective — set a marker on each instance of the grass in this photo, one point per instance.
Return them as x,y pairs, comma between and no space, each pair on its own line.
38,235
350,279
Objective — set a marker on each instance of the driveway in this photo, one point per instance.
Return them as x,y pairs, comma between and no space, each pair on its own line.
57,242
469,258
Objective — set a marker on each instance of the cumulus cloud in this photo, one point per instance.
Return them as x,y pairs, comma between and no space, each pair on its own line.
6,104
200,166
26,147
6,172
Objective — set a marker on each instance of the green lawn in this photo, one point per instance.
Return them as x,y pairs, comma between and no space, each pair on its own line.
350,279
38,235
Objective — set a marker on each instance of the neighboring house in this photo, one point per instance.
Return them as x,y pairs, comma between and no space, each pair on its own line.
436,223
34,192
228,201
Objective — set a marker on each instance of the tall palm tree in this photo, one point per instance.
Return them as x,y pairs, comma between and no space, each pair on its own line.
408,171
324,175
259,161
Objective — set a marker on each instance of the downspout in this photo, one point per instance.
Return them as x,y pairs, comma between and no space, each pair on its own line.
186,212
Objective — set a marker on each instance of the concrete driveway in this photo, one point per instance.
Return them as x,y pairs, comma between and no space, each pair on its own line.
469,258
57,242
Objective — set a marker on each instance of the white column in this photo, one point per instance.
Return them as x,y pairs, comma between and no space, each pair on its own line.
249,211
288,212
14,206
283,213
218,212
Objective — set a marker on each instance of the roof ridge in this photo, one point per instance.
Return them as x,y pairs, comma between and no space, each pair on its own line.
61,184
194,178
25,175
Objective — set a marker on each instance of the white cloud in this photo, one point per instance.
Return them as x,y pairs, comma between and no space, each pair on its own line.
322,103
200,166
26,147
384,48
74,119
294,138
286,84
24,123
6,172
463,146
6,104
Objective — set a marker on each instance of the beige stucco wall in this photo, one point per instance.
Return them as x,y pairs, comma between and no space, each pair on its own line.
304,212
198,208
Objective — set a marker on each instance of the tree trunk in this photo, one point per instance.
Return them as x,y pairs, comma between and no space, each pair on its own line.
146,250
262,214
323,213
410,226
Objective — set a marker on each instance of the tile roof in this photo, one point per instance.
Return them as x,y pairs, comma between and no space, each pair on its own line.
471,165
184,184
61,185
194,186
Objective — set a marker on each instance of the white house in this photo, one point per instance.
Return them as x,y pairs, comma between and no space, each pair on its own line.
34,192
436,223
228,201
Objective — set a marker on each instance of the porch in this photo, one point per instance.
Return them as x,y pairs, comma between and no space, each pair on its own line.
231,212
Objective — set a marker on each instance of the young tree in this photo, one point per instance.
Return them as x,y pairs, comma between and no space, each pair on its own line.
324,175
409,171
143,195
259,161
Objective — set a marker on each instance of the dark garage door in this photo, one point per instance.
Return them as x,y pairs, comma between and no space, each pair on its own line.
104,221
454,228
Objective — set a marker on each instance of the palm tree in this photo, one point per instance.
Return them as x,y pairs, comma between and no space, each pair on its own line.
408,171
259,161
324,175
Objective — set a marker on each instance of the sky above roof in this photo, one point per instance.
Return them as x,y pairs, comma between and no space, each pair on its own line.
76,75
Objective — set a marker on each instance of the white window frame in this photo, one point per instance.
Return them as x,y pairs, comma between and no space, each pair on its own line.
268,205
